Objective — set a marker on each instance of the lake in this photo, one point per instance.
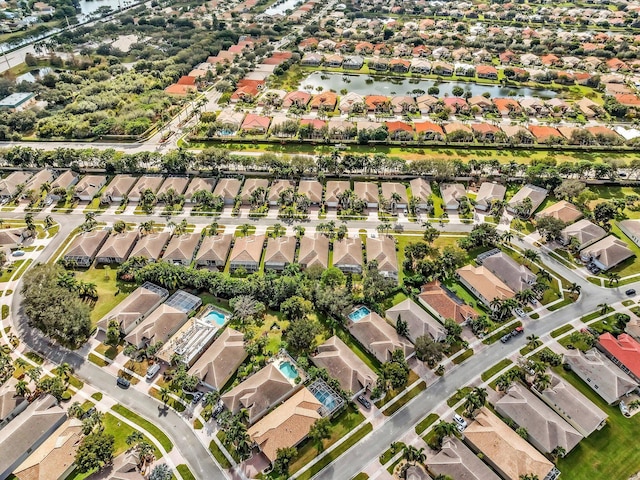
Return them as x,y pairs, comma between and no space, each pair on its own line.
283,6
367,85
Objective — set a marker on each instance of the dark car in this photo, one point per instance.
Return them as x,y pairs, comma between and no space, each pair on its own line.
197,397
123,382
218,410
364,402
89,412
630,292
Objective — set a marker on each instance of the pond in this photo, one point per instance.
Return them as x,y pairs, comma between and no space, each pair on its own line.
33,75
367,85
280,7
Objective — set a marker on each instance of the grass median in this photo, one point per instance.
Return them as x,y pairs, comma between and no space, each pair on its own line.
402,401
145,424
501,365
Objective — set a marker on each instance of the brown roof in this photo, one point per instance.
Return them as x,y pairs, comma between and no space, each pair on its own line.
347,251
441,301
158,326
151,182
197,184
277,187
535,193
287,425
8,185
609,251
585,231
220,361
119,186
367,191
178,184
419,322
214,248
182,247
258,393
485,282
227,188
563,210
138,304
389,188
52,459
247,249
150,246
335,188
546,429
457,461
489,192
509,452
280,250
515,275
251,185
64,180
312,189
543,132
87,244
345,366
88,185
383,251
420,189
8,398
314,250
39,179
380,338
118,245
10,237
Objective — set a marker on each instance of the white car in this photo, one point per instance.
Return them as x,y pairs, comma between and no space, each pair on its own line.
519,312
460,422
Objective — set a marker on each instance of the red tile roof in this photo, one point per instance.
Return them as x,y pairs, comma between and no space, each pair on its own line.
441,302
542,132
428,127
484,128
486,70
397,126
184,80
177,89
628,99
328,99
314,122
624,348
372,101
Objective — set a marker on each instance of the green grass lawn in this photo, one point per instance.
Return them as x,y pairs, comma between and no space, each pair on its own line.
426,423
459,395
185,472
406,398
610,453
121,431
147,425
559,331
463,356
631,266
501,365
218,455
110,291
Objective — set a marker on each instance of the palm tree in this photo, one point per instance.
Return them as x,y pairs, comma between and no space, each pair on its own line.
445,429
34,374
244,229
212,398
134,438
558,452
75,410
533,341
48,222
507,237
146,227
531,255
542,382
604,308
277,230
213,228
525,296
575,288
613,277
414,455
299,229
22,389
64,371
544,275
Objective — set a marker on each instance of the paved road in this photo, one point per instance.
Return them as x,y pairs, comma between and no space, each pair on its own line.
378,441
181,434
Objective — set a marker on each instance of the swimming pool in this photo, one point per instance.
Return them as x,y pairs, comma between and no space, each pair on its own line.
359,314
216,317
288,370
326,399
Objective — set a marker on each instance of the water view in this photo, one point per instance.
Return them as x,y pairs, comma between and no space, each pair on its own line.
367,85
280,8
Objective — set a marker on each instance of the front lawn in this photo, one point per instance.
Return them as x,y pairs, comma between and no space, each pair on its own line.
610,453
147,425
501,365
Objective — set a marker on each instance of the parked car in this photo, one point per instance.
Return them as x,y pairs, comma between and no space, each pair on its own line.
630,292
505,338
123,382
18,253
364,402
517,331
197,397
152,371
218,410
624,409
461,424
88,413
519,312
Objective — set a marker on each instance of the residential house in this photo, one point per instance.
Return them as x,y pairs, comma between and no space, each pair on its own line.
230,122
429,131
518,134
66,180
484,284
117,190
546,430
333,61
483,104
444,304
601,374
624,351
158,327
606,253
515,275
12,237
544,133
255,124
213,251
451,194
177,184
421,191
399,131
347,255
419,322
534,107
325,100
144,183
488,193
246,253
287,425
84,248
259,392
455,460
312,189
458,132
228,189
11,404
383,251
117,247
588,107
198,184
353,62
349,101
314,128
562,210
536,194
311,59
123,467
135,308
631,228
584,231
182,249
442,68
279,253
87,188
487,71
395,193
378,64
402,104
276,190
150,246
28,431
220,361
421,66
341,129
341,363
247,90
251,187
333,192
507,106
55,457
367,192
485,132
378,337
314,250
425,103
35,183
399,65
456,104
567,401
378,103
504,450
